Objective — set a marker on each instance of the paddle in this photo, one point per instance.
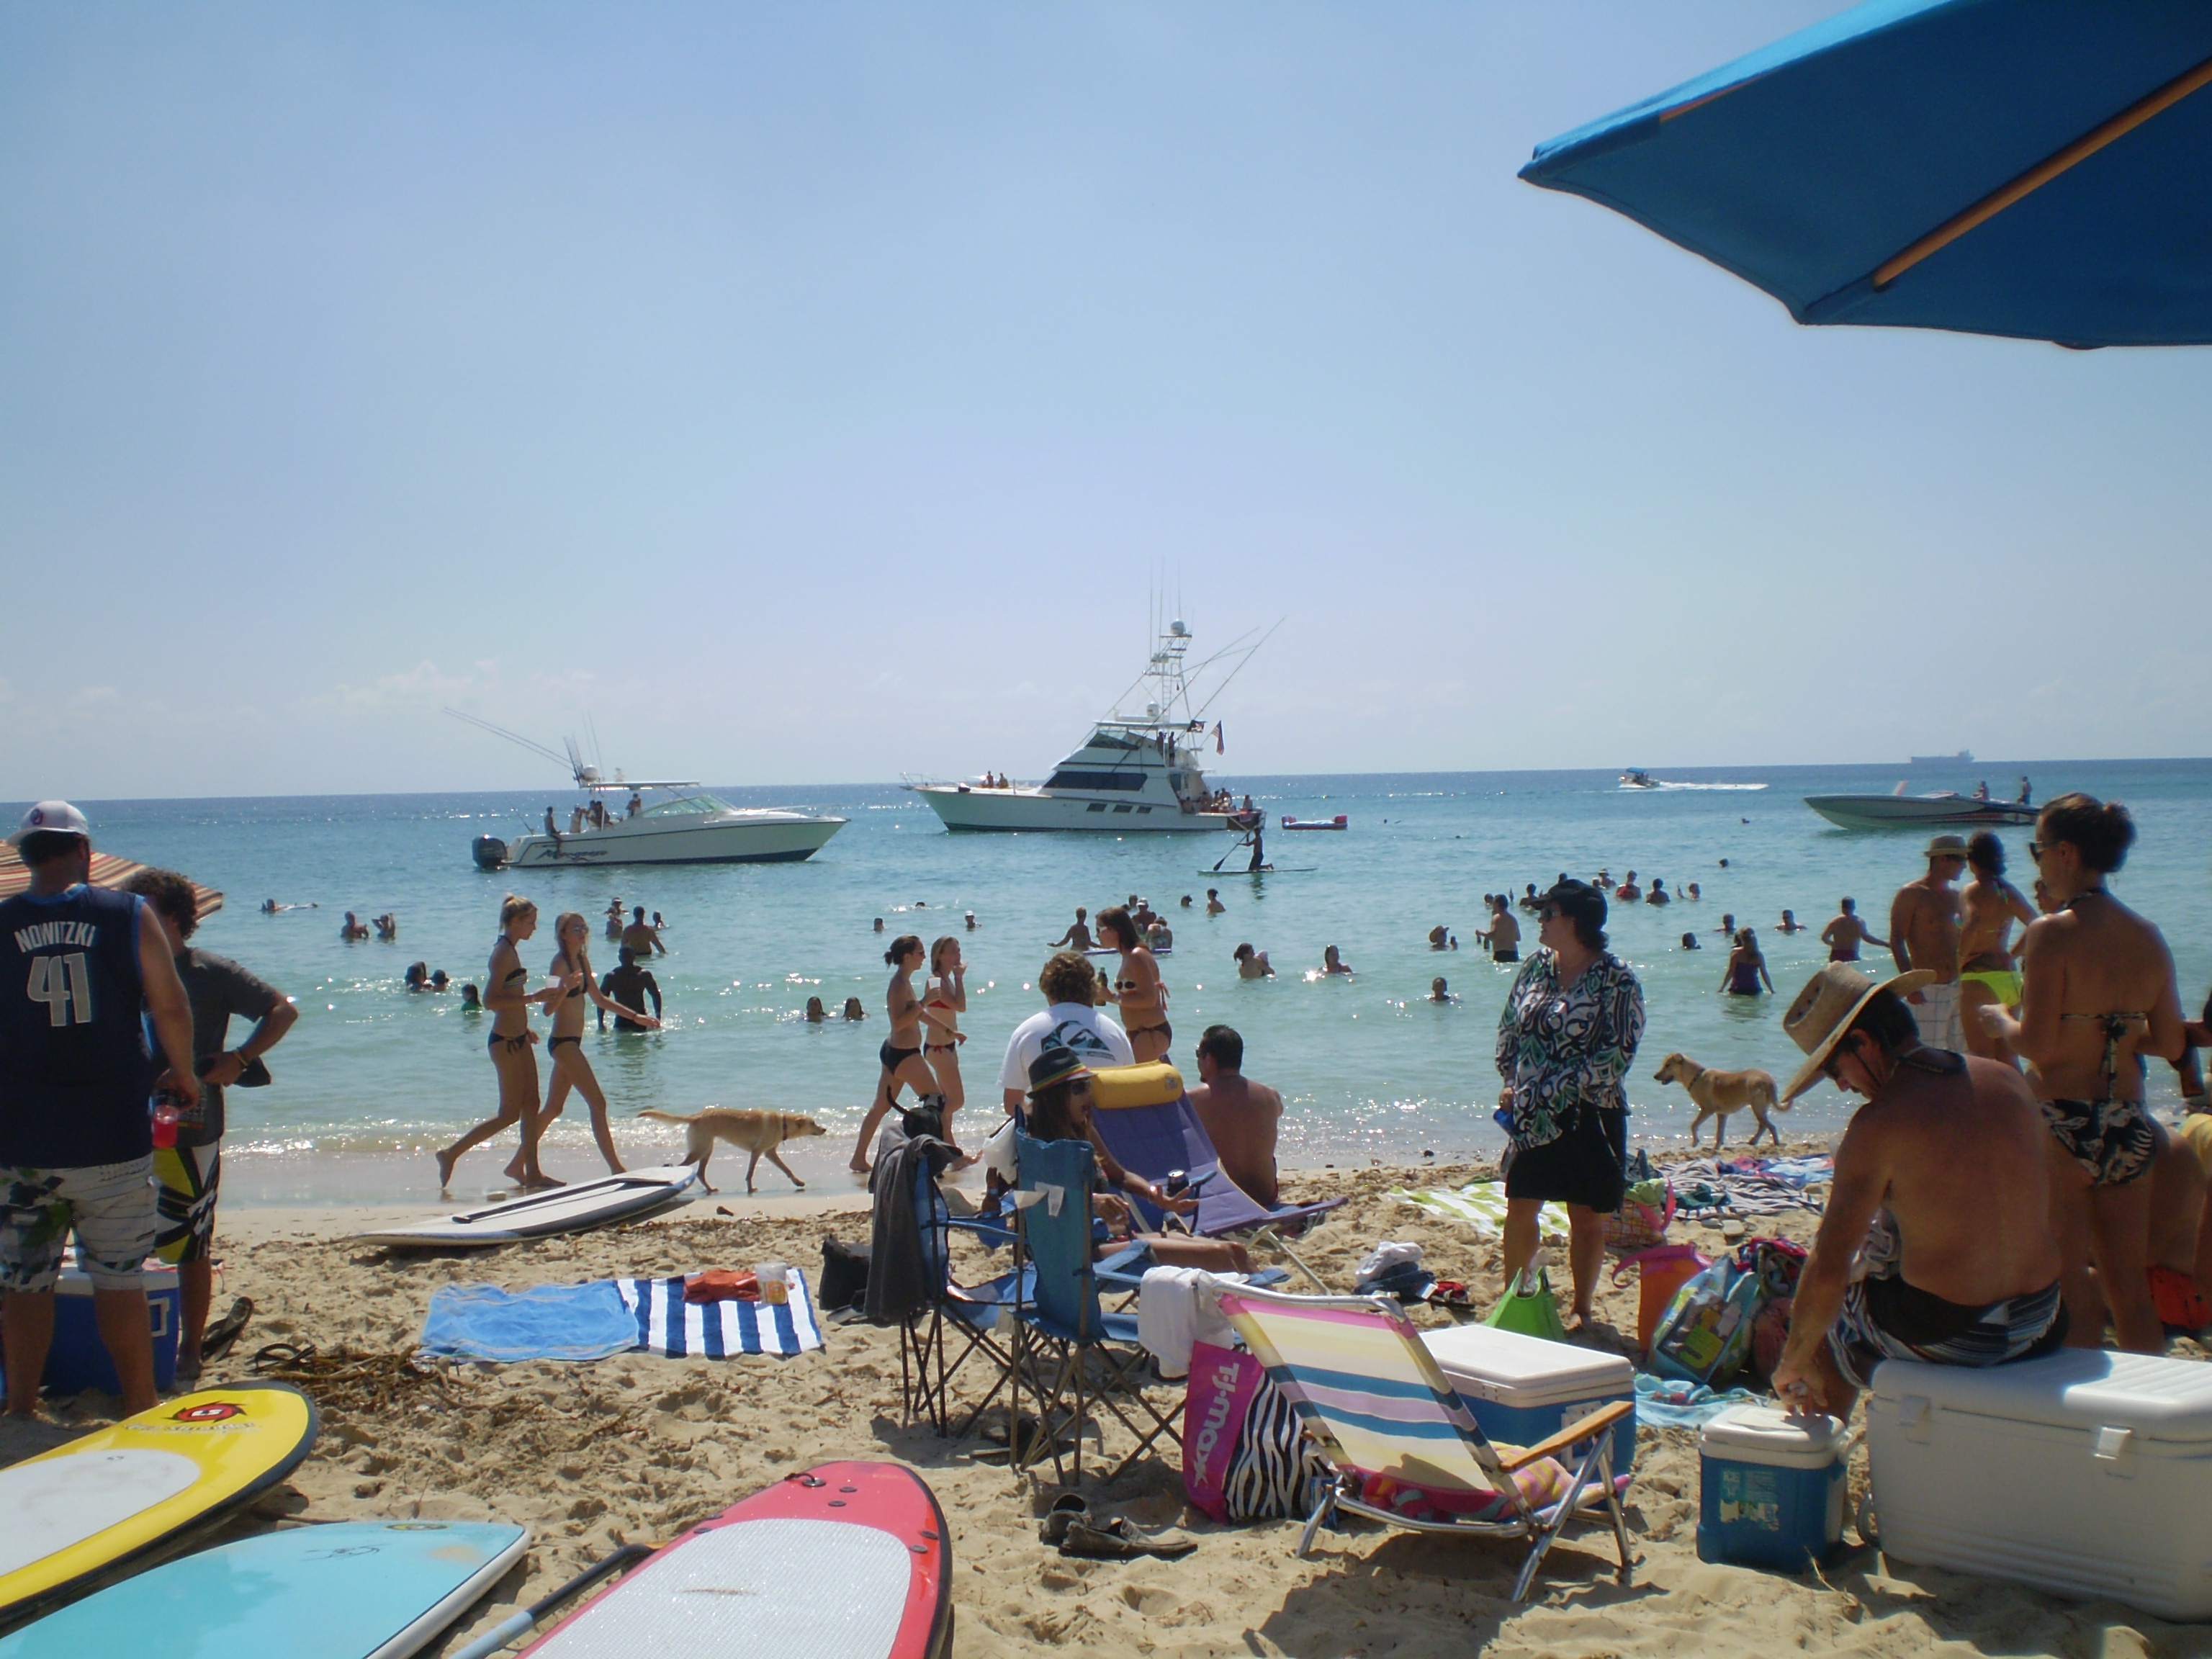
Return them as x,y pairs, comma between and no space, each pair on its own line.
516,1626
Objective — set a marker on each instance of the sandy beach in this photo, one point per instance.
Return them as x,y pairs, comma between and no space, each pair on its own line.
633,1447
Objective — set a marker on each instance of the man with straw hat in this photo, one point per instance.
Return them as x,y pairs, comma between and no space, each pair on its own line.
1923,935
1937,1244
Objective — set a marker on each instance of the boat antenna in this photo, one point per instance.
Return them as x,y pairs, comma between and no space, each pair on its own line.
568,760
1248,650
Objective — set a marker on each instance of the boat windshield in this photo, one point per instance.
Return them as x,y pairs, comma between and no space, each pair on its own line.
683,804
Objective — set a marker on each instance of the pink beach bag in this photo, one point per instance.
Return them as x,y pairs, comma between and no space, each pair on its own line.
1223,1382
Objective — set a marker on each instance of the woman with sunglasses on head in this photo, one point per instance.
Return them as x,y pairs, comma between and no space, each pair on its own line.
513,1045
1136,989
2097,994
1565,1042
564,1050
901,1055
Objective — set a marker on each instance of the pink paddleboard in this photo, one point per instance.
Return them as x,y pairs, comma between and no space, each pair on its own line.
847,1559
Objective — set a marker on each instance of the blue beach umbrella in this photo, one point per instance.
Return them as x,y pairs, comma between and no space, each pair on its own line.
2037,168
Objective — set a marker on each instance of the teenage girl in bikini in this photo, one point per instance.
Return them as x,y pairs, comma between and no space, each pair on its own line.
944,1000
2097,994
1988,907
900,1053
1136,989
564,1048
512,1048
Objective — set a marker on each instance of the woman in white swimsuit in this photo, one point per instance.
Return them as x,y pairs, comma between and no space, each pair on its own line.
564,1050
943,1001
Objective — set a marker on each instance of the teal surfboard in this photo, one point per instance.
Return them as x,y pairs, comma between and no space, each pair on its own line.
353,1589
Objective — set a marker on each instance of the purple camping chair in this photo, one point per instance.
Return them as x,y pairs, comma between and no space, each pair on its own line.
1157,1141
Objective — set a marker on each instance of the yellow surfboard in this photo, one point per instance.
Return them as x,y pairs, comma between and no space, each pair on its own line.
76,1511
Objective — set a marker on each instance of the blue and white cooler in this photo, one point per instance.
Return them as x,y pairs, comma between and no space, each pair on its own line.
78,1359
1523,1389
1771,1487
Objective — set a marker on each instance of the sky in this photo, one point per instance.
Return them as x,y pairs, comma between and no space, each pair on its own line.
824,394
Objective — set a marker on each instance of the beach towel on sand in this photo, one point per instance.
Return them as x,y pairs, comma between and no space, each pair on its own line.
546,1322
661,1322
1481,1205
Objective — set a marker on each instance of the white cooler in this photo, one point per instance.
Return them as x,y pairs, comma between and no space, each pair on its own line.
1523,1389
2086,1473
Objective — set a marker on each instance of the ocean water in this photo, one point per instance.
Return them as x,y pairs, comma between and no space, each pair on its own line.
372,1078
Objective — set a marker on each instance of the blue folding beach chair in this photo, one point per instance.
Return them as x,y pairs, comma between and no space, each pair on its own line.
1144,1117
1069,1352
936,1339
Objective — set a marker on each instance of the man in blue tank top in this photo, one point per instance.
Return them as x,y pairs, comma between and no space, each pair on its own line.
80,969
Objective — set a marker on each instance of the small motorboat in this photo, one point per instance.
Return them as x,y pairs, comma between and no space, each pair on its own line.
1337,822
1946,810
1636,780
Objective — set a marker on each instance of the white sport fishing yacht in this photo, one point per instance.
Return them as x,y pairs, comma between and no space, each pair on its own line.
686,826
1138,771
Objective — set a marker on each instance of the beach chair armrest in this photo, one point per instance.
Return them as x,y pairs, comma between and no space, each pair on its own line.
1574,1434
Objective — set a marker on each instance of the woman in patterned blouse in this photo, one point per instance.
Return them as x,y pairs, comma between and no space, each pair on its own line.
1565,1041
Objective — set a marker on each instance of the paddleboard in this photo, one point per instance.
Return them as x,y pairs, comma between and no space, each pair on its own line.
570,1209
353,1589
846,1559
77,1510
1269,870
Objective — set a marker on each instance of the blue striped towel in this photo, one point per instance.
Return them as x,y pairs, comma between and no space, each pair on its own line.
667,1324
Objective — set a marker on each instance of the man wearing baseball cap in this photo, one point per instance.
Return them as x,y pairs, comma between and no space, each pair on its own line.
80,969
1942,1191
1923,937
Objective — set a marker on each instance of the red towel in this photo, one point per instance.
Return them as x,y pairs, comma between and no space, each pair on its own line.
721,1284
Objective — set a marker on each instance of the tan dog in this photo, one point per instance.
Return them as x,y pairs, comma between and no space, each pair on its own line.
757,1132
1718,1094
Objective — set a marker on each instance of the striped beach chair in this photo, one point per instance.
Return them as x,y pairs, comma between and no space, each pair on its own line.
1404,1447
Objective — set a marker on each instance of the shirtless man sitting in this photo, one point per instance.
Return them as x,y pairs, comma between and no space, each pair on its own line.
1942,1179
1923,936
1847,933
1240,1117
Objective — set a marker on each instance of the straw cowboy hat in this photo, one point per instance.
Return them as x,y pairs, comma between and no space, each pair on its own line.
1947,847
1826,1006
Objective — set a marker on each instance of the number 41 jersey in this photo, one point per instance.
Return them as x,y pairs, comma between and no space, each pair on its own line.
75,1068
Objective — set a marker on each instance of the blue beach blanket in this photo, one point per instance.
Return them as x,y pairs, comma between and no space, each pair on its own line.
1666,1403
661,1322
547,1321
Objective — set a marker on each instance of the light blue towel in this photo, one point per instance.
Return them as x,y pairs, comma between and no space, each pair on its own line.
547,1321
1666,1403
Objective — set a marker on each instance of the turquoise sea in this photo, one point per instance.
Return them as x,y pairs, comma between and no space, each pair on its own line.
372,1077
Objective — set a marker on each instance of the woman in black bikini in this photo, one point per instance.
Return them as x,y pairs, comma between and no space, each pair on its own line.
1137,990
512,1045
564,1048
2097,994
900,1053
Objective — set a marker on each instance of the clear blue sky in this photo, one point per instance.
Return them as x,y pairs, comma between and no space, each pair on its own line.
810,393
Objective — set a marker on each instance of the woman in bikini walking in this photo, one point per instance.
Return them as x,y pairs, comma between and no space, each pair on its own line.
901,1054
944,1000
1987,977
512,1044
564,1048
2097,993
1137,990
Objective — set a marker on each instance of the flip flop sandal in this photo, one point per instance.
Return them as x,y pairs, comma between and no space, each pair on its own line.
1450,1293
1067,1511
226,1330
1118,1540
282,1356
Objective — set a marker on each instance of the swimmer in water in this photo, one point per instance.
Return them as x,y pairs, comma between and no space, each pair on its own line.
1690,942
1142,998
1439,992
1252,964
1658,894
1747,968
1438,937
1214,907
471,998
879,924
1728,924
1789,924
816,1013
1078,937
1692,893
1331,963
854,1010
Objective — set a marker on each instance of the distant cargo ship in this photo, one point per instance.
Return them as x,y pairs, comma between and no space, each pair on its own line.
1963,757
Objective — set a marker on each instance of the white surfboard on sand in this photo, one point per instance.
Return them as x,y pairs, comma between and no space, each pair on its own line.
575,1208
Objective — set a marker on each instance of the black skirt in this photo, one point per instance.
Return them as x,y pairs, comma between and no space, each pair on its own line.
1586,1165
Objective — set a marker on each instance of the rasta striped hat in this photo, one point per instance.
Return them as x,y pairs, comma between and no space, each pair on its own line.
1054,1065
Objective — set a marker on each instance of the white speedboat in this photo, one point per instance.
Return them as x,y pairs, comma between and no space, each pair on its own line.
685,825
1138,771
1947,810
